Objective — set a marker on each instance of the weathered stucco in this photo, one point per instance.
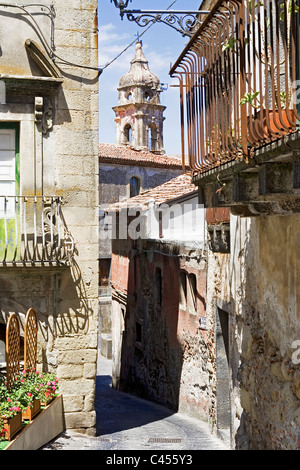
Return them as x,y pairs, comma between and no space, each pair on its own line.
266,294
256,284
171,367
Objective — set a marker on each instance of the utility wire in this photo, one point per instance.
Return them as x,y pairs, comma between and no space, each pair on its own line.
126,48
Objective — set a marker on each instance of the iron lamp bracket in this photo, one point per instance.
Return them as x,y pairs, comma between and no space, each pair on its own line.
182,21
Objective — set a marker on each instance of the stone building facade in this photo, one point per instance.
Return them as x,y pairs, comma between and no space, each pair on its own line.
253,270
160,341
49,175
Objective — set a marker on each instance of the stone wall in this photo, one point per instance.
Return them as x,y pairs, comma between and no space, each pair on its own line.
62,161
256,285
265,273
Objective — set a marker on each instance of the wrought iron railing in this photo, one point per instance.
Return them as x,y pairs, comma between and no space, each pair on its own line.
239,80
33,230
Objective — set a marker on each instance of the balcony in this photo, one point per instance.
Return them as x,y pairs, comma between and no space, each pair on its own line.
239,93
33,232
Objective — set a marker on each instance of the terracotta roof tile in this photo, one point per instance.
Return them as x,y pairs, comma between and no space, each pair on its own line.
122,155
180,186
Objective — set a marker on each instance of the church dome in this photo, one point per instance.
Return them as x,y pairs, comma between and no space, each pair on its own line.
139,73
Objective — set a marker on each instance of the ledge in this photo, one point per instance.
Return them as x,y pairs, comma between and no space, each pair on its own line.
48,424
19,85
268,185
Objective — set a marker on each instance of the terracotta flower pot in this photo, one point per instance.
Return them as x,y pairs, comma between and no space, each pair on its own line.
12,425
32,411
277,123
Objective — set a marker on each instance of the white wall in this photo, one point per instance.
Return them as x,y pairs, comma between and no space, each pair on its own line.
184,222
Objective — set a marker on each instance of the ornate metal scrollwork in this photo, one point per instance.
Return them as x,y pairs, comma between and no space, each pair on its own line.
183,24
182,21
58,238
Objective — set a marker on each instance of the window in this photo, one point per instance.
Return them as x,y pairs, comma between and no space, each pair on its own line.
182,289
135,186
160,224
193,292
148,96
9,166
188,291
152,138
127,134
104,272
158,286
138,332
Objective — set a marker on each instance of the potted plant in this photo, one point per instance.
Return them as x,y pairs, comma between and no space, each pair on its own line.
48,386
27,394
10,414
36,388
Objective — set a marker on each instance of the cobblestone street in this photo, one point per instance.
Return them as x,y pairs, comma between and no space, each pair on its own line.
125,422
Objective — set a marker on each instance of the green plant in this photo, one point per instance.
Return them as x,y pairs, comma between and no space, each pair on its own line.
289,9
229,44
3,430
9,405
250,98
31,385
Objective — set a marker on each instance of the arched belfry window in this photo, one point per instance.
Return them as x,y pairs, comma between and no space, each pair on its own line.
135,186
152,138
127,134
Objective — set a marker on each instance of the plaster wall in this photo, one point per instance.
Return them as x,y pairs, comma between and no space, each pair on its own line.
264,283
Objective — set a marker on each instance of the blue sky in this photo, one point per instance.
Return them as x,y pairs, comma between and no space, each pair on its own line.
162,46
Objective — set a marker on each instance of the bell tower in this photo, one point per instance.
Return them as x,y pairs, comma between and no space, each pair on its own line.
139,114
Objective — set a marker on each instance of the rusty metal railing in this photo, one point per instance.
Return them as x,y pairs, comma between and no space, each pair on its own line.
33,230
239,80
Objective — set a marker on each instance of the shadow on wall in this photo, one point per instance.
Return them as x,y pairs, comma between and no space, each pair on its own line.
159,352
151,356
59,297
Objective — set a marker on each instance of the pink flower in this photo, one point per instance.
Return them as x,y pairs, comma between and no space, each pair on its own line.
40,376
29,394
9,400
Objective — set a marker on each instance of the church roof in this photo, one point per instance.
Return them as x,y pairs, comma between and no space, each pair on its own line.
123,155
139,73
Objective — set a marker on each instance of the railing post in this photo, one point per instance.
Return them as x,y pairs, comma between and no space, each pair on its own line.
243,109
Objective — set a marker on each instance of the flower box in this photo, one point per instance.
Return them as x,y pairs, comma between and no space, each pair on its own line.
12,425
31,411
48,400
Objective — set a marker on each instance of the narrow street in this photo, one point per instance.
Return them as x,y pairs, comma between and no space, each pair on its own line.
125,422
